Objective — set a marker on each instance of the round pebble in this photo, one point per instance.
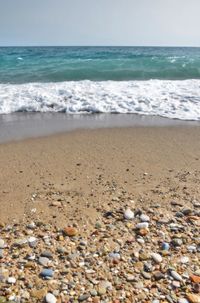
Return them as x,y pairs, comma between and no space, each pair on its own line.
128,214
50,298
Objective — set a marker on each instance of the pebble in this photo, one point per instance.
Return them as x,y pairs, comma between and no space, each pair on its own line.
50,298
70,231
47,254
2,243
165,246
193,298
128,214
83,297
176,276
144,218
156,257
184,260
47,273
183,300
113,262
44,261
142,225
130,278
11,280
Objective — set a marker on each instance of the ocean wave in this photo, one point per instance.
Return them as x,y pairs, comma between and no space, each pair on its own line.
178,99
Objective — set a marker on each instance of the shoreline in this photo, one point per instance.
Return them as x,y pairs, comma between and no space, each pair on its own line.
20,126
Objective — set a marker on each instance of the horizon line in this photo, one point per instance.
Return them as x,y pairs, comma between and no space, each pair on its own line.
167,46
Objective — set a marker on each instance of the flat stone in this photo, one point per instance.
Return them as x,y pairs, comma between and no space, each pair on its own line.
142,225
47,273
146,275
83,297
47,254
183,300
44,261
130,278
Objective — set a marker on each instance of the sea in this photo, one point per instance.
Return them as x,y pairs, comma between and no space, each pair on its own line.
153,81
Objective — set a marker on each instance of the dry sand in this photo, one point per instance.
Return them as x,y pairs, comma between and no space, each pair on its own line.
69,177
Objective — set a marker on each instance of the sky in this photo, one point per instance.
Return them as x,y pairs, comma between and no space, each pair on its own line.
100,22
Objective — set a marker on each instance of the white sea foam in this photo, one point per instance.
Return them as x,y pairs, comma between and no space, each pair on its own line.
173,99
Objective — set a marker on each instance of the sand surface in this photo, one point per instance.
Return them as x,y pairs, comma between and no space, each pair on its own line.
70,177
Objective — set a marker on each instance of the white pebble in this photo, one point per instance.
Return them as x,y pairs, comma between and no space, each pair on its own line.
142,225
184,260
11,280
182,300
144,218
156,257
2,243
128,214
50,298
176,276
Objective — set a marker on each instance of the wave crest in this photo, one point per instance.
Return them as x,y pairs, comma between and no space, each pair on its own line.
167,98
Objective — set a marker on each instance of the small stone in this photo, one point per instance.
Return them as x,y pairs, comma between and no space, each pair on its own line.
47,273
31,225
83,297
176,276
47,254
176,284
144,218
177,242
146,275
128,214
195,279
44,261
102,291
184,260
143,232
39,293
32,241
139,285
2,244
11,280
193,298
130,278
70,231
158,275
50,298
183,300
142,225
156,257
165,246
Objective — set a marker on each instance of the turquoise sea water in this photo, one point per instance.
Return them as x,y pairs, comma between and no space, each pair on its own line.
143,80
55,64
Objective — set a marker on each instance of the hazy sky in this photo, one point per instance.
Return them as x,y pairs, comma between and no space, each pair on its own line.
100,22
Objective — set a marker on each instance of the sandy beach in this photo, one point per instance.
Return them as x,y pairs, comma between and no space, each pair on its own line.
102,215
150,164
